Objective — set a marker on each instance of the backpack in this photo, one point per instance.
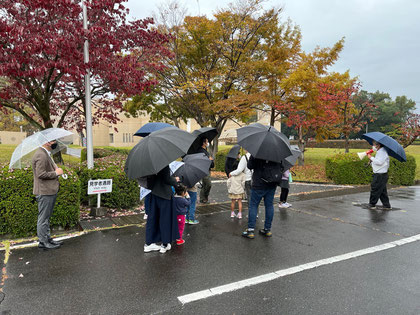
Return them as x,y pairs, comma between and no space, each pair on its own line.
272,172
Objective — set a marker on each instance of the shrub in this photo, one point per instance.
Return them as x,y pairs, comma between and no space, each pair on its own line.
125,192
349,169
99,153
336,144
18,206
219,163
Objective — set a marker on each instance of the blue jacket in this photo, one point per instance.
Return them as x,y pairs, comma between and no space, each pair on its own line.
181,205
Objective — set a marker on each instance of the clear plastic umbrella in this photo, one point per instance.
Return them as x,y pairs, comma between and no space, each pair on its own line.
22,155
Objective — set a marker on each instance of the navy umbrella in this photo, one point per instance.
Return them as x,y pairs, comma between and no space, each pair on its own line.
196,166
264,142
150,127
393,148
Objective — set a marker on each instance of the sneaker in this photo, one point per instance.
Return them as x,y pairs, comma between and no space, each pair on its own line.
180,242
282,205
287,205
387,208
248,233
193,222
163,249
266,233
372,207
232,214
151,248
239,215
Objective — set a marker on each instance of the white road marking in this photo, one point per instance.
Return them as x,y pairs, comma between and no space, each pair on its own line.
188,298
33,244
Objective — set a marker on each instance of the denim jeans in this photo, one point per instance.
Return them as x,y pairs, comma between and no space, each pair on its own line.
256,196
191,209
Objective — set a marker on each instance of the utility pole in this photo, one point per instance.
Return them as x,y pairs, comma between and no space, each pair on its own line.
89,137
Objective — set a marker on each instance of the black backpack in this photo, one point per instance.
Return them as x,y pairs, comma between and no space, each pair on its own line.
272,172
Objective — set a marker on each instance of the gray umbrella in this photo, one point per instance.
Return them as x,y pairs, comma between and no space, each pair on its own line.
290,161
156,151
233,153
264,142
196,166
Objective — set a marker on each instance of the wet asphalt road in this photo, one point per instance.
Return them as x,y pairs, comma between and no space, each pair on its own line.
106,272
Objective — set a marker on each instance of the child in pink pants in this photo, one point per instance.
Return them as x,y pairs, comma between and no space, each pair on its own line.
182,203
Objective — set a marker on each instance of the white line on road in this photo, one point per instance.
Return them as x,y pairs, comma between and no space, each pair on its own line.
188,298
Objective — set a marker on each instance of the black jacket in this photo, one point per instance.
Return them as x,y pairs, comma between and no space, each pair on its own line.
162,184
202,150
258,165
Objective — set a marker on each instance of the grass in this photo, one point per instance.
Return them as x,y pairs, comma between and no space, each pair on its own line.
313,170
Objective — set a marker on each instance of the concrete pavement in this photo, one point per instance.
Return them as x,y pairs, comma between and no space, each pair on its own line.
106,272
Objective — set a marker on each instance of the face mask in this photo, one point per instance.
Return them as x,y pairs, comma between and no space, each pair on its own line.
54,145
207,144
374,148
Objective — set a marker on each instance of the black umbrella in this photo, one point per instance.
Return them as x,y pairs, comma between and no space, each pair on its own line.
196,166
150,127
290,161
233,153
156,151
264,142
206,132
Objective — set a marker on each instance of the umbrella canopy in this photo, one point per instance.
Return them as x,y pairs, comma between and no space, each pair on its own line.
196,166
290,161
206,132
150,127
234,151
21,157
393,148
156,151
264,142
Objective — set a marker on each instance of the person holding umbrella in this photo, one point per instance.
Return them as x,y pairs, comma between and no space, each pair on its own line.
45,189
206,181
380,166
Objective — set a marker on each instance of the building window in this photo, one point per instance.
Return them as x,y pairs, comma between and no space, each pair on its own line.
111,138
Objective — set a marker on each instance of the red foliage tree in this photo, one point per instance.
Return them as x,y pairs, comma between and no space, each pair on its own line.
407,132
341,98
41,44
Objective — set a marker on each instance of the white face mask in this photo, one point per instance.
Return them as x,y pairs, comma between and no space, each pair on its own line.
207,144
374,148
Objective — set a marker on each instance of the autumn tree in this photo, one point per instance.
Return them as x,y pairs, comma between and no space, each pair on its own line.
408,131
41,45
300,104
340,92
208,78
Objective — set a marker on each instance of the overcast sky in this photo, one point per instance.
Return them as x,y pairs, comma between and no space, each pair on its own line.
382,37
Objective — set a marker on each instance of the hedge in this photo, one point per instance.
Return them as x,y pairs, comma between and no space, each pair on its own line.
125,192
336,144
349,169
18,206
103,152
220,160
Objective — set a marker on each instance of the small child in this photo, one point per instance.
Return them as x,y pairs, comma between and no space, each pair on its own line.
236,190
182,203
284,184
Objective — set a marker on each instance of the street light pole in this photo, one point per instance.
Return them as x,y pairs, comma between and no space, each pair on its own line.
89,137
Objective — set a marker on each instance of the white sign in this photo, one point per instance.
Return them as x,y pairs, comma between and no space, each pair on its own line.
99,186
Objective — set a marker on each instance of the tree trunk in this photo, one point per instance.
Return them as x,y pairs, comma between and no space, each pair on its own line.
273,116
301,145
347,144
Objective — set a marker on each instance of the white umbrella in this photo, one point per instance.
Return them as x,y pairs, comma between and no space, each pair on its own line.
21,155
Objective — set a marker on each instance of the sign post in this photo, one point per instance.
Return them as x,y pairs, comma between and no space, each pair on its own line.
99,186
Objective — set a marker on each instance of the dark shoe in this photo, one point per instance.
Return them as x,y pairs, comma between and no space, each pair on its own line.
266,233
248,233
204,201
51,241
47,246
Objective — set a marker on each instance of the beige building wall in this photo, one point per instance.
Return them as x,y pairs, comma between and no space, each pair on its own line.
12,137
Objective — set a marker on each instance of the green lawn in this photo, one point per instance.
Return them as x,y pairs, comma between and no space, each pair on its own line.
313,156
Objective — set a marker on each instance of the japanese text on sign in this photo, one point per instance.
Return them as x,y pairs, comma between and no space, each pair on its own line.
99,186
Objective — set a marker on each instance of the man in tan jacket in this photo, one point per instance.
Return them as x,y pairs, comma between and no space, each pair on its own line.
46,187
